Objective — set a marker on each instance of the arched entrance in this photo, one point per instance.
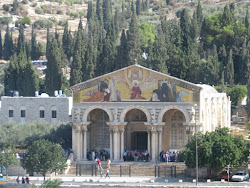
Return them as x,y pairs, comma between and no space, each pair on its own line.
98,131
174,132
136,131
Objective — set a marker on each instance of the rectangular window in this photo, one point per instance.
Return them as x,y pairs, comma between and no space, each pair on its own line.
41,113
180,138
53,113
22,113
11,113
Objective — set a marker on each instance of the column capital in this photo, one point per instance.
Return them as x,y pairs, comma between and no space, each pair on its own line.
154,126
78,126
117,125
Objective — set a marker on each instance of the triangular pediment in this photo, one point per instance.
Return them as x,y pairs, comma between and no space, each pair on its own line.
135,83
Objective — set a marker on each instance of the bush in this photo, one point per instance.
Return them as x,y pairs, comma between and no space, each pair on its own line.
43,23
5,20
6,7
46,9
62,22
39,10
59,11
26,20
25,2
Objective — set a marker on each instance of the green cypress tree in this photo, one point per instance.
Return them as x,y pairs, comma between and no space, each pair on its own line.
76,68
10,76
107,13
90,10
35,51
67,41
1,44
21,81
20,40
8,45
31,79
222,82
53,78
248,87
138,7
133,36
160,54
199,14
230,68
88,66
247,19
122,52
227,17
185,30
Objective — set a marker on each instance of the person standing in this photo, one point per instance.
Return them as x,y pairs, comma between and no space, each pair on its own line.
108,163
27,180
23,180
102,172
107,173
17,180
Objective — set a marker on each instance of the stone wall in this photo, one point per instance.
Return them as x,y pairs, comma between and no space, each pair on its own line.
32,107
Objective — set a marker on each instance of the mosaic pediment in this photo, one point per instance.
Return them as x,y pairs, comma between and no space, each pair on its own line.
135,83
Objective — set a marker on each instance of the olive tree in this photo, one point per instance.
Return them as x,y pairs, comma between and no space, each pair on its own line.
216,150
44,156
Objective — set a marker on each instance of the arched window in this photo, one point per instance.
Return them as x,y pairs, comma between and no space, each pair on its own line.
41,112
177,130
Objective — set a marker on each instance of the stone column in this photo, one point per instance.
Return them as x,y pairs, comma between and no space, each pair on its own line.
111,143
160,139
85,129
153,132
119,145
122,143
78,142
74,139
115,144
149,141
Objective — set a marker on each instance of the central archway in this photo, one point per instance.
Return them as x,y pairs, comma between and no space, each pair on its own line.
135,133
98,133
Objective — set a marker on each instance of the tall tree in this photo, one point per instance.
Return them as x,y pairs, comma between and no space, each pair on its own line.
1,45
8,47
76,68
10,76
53,79
160,54
227,17
35,51
107,13
21,39
199,14
122,52
138,7
67,41
230,69
133,40
247,19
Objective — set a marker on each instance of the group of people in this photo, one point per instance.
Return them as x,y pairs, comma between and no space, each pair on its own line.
98,162
27,180
129,155
173,156
102,155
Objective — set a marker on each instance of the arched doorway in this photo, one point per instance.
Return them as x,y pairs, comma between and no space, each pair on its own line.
174,132
98,131
135,131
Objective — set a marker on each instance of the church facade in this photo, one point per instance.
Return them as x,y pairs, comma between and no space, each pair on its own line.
136,108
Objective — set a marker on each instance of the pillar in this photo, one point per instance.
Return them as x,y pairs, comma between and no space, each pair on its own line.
153,132
119,145
160,139
115,144
85,129
149,142
111,143
122,142
78,143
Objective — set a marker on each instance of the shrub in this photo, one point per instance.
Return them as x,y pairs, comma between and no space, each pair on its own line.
25,2
59,11
26,20
62,22
39,10
5,20
46,9
43,23
6,7
34,4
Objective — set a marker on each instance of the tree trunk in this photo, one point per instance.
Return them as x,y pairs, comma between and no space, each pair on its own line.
44,177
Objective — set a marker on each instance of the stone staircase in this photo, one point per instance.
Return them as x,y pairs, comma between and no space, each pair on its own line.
130,169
